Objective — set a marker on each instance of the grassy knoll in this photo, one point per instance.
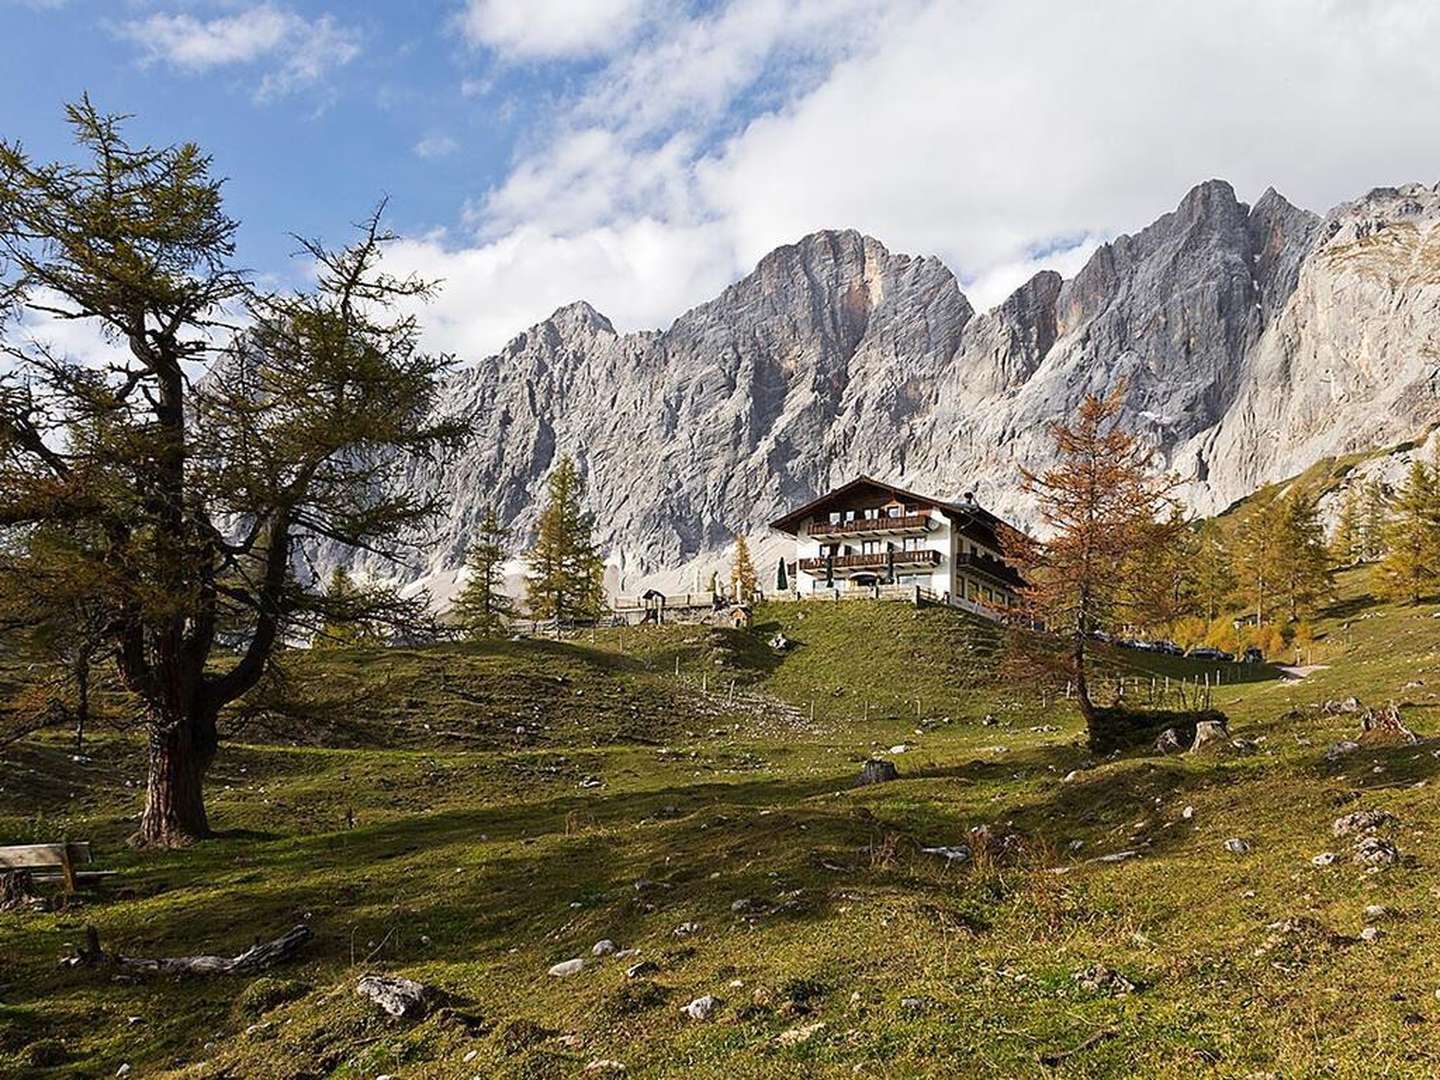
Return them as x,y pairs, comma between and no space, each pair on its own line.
470,815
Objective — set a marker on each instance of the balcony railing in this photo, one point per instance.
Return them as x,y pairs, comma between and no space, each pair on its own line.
873,561
903,523
991,567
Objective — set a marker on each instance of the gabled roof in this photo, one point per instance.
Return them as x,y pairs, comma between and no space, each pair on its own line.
961,514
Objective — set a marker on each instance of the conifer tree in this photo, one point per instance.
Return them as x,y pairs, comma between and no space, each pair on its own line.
1345,545
1212,571
342,628
1412,539
483,610
1371,542
193,497
1256,553
1302,561
565,580
1105,507
743,579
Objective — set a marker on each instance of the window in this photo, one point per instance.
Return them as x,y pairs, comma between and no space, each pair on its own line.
872,513
894,511
834,517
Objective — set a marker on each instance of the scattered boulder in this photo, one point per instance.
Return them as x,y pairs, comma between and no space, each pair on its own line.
878,772
1363,821
687,929
1325,858
603,947
1371,933
1170,742
565,968
1385,725
701,1008
1374,912
641,969
1210,731
1376,851
750,905
1099,979
780,643
1236,846
396,996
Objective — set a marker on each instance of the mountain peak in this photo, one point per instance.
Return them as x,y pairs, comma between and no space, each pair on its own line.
581,315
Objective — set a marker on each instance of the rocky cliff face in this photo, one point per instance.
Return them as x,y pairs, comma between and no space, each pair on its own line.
1252,341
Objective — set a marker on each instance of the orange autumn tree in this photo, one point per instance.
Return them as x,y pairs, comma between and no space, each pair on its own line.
1109,515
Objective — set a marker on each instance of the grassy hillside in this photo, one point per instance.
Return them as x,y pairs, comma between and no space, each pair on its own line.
469,816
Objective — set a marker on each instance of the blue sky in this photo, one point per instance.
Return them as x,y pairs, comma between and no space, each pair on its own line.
642,154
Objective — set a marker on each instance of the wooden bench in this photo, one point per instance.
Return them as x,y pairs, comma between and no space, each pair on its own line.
51,862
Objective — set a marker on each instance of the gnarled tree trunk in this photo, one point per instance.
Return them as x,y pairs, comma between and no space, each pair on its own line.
180,753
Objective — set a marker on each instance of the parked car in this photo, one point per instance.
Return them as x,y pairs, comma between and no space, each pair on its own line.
1206,652
1169,648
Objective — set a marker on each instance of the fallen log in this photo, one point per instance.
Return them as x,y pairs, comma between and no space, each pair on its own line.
1056,1058
259,957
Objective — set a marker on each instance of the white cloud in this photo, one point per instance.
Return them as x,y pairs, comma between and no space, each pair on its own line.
436,146
547,29
299,52
982,131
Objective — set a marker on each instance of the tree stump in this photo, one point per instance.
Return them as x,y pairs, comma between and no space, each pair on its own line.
1169,742
878,772
1210,731
16,890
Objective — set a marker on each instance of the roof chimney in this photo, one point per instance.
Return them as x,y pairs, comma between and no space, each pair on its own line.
969,498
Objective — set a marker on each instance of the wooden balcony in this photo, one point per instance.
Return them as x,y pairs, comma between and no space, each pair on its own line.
994,569
877,561
905,524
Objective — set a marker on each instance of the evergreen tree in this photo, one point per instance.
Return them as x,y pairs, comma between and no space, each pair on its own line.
195,496
482,609
1412,539
1105,508
1257,542
1346,544
1302,560
1211,571
1371,541
565,581
343,627
743,579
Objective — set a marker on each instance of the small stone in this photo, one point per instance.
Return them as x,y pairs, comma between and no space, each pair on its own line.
749,905
1236,846
1099,979
1362,821
1188,814
1371,933
700,1008
912,1004
123,1070
1376,911
958,853
640,970
1070,777
470,1055
603,947
900,748
605,1065
1325,858
1376,851
1340,749
567,968
798,1035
